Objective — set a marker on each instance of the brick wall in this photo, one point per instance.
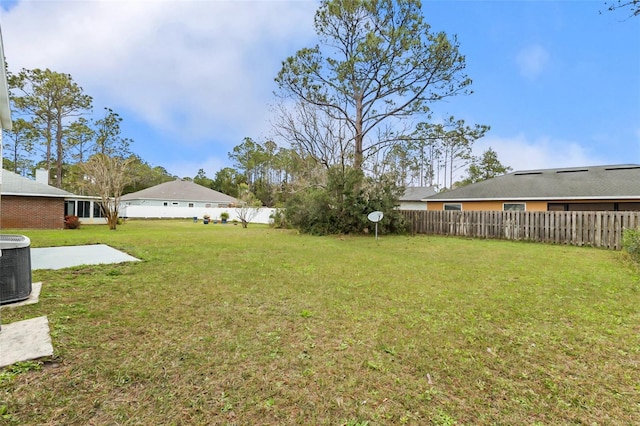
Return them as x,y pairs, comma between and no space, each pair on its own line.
31,212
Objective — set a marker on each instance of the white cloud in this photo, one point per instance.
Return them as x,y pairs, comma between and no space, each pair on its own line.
520,153
194,69
532,60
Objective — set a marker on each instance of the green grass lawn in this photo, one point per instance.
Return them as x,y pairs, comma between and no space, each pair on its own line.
224,325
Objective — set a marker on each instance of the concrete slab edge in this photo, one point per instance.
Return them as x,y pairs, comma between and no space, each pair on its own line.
24,341
34,297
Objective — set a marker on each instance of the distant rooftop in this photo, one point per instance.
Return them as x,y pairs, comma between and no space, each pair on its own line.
417,193
180,190
589,182
13,184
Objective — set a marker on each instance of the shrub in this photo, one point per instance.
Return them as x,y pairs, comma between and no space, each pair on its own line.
278,219
342,205
631,243
224,216
71,222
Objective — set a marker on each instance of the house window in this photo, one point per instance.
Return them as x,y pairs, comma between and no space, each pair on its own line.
165,204
557,207
69,208
190,204
514,207
208,205
453,207
175,204
84,209
98,211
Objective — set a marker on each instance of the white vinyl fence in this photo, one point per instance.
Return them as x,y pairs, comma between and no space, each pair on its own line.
159,212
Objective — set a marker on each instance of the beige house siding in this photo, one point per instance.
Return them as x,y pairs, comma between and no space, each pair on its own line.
487,205
542,206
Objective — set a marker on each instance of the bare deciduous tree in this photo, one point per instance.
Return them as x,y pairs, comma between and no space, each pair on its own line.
311,131
249,205
632,6
106,177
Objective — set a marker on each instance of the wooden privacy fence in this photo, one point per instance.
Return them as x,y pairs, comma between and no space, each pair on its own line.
580,228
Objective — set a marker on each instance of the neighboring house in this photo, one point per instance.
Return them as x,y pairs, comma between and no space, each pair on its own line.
87,208
592,188
30,204
175,199
414,197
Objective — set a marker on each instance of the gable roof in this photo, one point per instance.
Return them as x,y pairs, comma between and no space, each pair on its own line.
578,183
13,184
180,190
417,193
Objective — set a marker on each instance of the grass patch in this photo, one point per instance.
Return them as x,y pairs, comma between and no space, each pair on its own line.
225,325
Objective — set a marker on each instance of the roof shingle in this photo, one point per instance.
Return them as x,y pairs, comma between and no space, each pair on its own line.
592,182
180,190
13,184
417,193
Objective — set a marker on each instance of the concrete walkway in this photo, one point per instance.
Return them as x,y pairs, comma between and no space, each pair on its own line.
29,339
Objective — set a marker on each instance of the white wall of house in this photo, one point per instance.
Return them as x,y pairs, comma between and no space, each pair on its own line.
412,205
174,203
170,212
93,220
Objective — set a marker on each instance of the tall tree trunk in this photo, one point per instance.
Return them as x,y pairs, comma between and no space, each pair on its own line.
359,137
59,152
112,220
15,158
48,142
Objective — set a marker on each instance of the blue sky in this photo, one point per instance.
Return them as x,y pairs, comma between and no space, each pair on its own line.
557,81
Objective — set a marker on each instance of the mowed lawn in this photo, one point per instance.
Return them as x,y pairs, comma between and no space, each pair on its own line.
224,325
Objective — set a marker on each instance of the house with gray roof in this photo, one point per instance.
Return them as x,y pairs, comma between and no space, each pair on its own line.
590,188
414,197
30,204
175,199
